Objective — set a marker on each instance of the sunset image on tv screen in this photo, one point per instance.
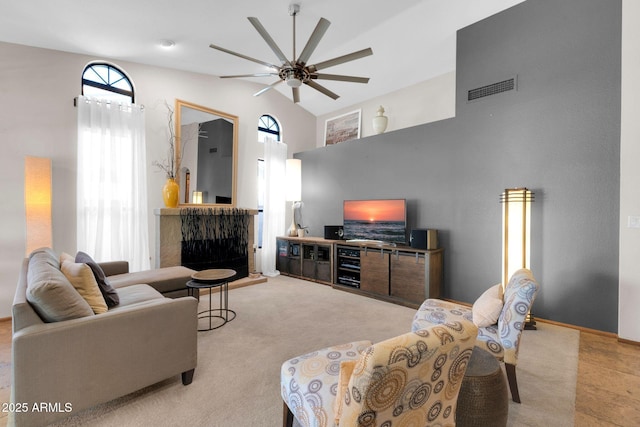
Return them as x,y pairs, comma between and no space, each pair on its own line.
374,210
375,220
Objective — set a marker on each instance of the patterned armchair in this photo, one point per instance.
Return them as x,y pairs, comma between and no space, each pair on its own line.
502,339
412,379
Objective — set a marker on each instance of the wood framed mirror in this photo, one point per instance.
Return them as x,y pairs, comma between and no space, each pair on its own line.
207,146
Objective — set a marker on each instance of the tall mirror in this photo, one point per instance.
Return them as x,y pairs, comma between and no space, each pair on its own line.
207,141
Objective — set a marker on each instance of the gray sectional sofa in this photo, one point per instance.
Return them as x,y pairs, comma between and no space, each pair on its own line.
70,358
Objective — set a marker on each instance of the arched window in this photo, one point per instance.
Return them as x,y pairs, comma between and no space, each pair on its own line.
105,81
268,127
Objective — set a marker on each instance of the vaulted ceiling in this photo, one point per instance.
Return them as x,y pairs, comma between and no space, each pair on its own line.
412,40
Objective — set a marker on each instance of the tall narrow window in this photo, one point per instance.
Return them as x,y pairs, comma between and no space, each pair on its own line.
268,129
104,81
260,200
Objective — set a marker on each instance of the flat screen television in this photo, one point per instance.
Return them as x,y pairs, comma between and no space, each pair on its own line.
383,220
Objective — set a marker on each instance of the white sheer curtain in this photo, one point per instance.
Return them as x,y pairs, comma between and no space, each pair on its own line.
275,157
112,182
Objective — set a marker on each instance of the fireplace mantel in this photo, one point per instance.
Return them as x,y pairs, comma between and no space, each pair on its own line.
169,234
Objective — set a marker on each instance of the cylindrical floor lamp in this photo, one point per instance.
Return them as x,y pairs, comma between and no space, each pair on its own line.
516,235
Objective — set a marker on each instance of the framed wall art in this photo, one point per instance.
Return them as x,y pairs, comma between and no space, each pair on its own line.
342,128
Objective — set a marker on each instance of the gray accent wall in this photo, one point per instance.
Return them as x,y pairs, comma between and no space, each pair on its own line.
558,134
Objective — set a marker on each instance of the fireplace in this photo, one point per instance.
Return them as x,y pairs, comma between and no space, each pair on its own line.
206,237
215,238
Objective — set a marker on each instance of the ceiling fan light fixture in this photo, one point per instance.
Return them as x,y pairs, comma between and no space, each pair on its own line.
292,81
167,44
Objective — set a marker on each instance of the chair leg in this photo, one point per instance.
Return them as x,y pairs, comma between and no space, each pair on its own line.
513,383
287,416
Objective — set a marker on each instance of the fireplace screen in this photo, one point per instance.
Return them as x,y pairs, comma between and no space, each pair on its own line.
215,238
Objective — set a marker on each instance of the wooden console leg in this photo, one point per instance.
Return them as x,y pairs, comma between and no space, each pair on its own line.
187,376
287,416
513,383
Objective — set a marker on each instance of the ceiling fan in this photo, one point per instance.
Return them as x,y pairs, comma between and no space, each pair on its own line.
296,72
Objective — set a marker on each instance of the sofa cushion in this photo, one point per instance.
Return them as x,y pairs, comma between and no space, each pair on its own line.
487,307
109,294
50,293
136,294
82,278
164,279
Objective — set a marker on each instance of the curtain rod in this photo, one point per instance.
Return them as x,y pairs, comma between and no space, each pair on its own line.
108,101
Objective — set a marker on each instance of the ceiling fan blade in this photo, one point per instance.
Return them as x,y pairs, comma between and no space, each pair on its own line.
340,78
250,75
340,60
272,44
212,46
271,86
322,89
296,94
313,41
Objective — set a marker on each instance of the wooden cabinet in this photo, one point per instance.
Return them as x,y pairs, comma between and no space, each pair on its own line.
374,271
306,258
408,276
397,274
416,276
402,275
316,262
288,260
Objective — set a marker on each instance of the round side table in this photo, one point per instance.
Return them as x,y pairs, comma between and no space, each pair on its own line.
483,400
212,279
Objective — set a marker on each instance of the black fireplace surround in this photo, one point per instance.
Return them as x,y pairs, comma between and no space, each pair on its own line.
215,238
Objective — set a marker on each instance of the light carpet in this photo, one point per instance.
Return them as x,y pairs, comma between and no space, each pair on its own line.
237,380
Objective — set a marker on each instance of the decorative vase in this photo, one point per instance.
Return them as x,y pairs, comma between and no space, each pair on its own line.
170,193
380,121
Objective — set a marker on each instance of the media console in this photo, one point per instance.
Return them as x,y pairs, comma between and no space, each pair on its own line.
398,274
306,258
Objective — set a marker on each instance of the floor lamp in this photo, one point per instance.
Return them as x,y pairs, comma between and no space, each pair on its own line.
516,235
37,198
294,190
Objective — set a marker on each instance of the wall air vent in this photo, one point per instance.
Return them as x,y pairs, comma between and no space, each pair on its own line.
492,89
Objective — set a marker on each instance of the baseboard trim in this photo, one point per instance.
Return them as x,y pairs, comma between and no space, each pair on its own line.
567,325
626,341
579,328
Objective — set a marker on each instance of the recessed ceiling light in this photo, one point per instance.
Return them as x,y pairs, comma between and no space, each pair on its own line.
167,44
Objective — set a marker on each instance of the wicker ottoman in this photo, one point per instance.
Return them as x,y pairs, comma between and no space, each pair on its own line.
483,400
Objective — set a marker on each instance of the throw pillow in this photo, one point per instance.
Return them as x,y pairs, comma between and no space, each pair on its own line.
82,278
487,307
110,295
346,369
50,292
66,257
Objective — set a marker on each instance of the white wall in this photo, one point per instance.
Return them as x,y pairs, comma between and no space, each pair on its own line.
629,290
425,102
37,118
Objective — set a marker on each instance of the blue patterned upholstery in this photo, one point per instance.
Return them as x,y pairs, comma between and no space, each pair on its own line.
309,382
502,339
411,379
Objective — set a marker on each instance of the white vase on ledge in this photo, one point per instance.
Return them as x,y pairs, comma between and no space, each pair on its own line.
380,121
